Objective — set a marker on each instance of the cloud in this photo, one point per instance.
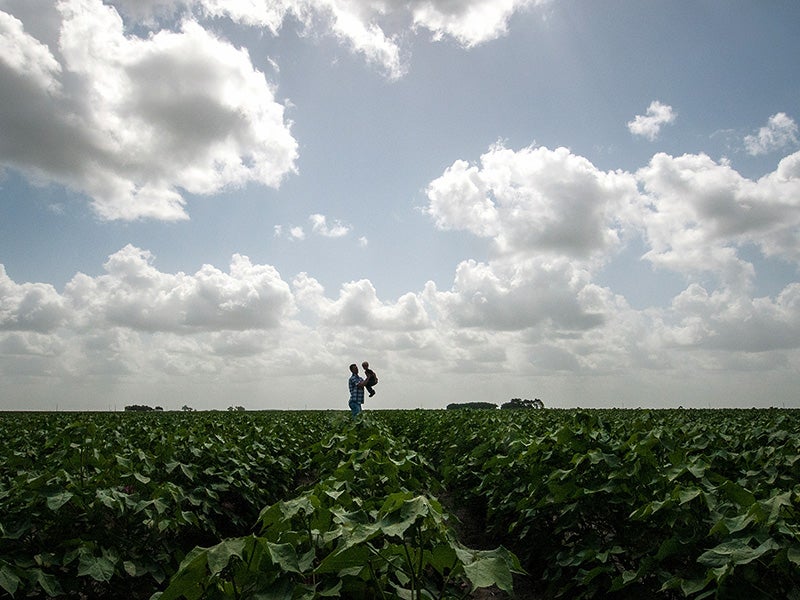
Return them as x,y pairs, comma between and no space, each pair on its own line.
501,321
358,306
371,29
135,295
535,200
700,211
136,122
552,218
35,307
727,321
649,125
471,22
319,225
25,55
779,133
514,295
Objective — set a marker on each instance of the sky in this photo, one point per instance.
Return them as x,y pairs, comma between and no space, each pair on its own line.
213,203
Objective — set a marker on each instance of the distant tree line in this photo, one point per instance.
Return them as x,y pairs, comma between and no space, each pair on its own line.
471,406
141,408
519,403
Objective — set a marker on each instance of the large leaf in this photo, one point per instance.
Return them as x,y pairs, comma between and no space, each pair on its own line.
485,568
188,580
349,558
56,501
47,582
99,568
219,556
8,579
736,552
738,494
401,516
285,556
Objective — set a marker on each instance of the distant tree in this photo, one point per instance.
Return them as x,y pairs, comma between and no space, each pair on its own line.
186,408
522,404
472,406
138,408
236,408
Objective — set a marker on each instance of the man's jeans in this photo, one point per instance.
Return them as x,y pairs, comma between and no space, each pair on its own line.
355,407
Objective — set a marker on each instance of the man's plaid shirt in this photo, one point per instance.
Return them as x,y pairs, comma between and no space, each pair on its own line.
356,393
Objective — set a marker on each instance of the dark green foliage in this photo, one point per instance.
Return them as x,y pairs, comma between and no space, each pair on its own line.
107,504
370,528
632,504
520,403
596,504
472,405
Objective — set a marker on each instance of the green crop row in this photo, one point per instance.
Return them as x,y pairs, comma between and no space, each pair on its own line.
596,504
371,527
633,504
99,503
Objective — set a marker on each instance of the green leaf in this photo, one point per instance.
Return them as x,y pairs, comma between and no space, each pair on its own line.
690,587
284,556
160,506
305,561
629,576
738,494
187,472
443,558
47,582
186,582
487,572
56,501
775,504
669,547
793,554
142,478
107,498
396,522
485,568
98,568
218,556
687,495
698,469
349,558
736,552
8,579
333,590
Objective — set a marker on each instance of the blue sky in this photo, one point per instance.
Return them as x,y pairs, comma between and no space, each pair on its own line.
227,203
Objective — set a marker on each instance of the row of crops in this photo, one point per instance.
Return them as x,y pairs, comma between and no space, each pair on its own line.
568,504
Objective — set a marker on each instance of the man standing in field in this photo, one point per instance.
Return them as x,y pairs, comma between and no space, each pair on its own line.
356,390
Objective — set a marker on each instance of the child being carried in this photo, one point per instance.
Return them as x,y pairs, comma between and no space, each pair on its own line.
370,379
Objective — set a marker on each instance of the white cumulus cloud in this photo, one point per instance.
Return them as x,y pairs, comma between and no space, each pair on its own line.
535,200
135,294
779,133
30,306
470,22
134,122
700,212
372,29
319,225
649,125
